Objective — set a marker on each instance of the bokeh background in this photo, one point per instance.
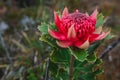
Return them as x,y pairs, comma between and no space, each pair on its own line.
22,54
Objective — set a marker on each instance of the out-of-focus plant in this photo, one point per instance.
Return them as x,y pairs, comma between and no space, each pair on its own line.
73,40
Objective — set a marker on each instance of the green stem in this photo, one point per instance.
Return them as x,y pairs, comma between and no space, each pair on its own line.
71,67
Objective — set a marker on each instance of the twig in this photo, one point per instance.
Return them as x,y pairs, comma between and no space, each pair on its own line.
109,48
47,70
71,67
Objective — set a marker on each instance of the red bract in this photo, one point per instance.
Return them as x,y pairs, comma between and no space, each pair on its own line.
76,29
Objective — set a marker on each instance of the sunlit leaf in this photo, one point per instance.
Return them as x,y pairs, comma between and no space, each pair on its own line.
60,55
46,38
79,54
100,20
91,58
43,28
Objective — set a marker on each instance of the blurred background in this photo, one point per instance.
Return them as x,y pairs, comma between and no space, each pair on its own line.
22,54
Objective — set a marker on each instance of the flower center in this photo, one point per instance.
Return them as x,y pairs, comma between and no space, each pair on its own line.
83,24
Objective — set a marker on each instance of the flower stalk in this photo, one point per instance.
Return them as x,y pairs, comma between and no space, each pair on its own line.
71,68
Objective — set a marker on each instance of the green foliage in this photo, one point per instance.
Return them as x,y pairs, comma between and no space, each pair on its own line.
91,58
31,75
100,20
93,47
53,67
43,28
79,54
52,26
60,55
109,37
86,68
90,76
89,67
46,38
62,74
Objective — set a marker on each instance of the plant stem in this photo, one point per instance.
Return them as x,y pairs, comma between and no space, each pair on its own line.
47,70
71,67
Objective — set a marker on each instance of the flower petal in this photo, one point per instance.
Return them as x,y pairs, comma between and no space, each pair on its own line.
56,19
77,11
94,14
92,38
95,37
71,32
56,35
65,12
103,35
64,44
85,45
87,14
58,23
98,30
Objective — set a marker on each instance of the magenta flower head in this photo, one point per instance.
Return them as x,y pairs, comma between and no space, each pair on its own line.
76,29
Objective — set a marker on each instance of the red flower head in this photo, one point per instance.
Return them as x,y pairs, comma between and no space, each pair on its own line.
76,29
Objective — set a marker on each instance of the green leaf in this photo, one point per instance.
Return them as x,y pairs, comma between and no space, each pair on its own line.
62,74
79,54
55,78
43,28
31,75
46,38
93,47
52,26
98,61
85,68
77,65
90,67
109,37
100,20
91,58
60,55
91,76
80,64
53,67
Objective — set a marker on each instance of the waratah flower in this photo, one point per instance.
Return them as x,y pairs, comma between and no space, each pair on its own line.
76,29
